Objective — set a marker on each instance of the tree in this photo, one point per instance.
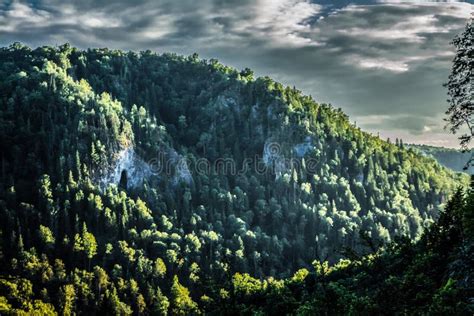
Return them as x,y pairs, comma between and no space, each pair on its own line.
127,252
159,268
46,236
102,280
140,303
5,307
116,306
461,87
46,196
67,296
194,272
160,303
182,302
244,284
85,243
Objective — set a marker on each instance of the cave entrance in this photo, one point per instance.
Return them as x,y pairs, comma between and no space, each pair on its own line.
123,179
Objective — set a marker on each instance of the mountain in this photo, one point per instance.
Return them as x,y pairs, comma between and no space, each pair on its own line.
132,182
451,158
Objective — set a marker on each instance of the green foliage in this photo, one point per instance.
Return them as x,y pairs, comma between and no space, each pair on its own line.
67,296
46,235
244,284
182,303
159,267
429,277
85,243
19,300
460,89
89,227
451,158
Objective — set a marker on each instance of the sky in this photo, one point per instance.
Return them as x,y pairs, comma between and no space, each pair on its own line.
383,62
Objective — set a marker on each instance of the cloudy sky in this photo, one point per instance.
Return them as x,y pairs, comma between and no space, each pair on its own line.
382,62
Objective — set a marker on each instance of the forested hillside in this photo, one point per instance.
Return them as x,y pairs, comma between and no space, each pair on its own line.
136,182
448,157
434,276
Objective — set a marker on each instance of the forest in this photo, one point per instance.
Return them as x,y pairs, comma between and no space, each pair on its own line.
138,183
454,159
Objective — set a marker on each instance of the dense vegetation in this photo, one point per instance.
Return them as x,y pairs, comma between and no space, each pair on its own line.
434,276
105,206
451,158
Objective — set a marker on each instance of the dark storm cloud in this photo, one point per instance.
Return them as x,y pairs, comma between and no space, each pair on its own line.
383,63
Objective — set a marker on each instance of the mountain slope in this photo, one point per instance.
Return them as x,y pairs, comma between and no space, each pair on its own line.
448,157
125,176
433,276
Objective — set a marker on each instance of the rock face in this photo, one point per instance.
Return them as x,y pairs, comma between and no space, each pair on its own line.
177,168
273,155
273,158
223,101
303,148
130,165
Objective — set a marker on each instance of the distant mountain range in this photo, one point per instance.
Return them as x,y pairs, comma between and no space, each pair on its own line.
451,158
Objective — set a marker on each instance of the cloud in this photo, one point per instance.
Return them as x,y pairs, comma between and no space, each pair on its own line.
388,58
411,29
284,21
20,14
411,124
400,65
